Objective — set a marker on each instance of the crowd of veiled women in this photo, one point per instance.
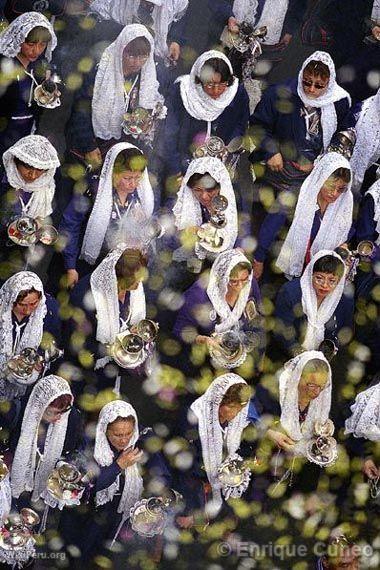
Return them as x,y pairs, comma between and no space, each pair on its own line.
190,283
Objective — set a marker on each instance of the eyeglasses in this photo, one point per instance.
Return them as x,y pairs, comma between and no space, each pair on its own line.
330,282
318,86
139,58
218,86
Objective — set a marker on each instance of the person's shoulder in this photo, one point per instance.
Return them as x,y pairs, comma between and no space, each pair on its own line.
81,289
292,289
197,291
52,304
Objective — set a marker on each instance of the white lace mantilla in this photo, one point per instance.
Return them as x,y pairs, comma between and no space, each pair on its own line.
15,34
365,416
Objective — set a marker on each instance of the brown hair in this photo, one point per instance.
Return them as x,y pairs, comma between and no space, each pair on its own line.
318,69
343,174
130,159
122,419
138,46
38,34
236,394
316,365
21,296
128,265
242,266
62,402
198,177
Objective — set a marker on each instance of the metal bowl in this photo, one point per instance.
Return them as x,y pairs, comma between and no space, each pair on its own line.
23,231
29,517
128,350
47,235
365,248
147,330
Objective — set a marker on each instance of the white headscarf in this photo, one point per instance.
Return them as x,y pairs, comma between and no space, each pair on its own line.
365,418
32,334
104,456
110,101
367,148
272,16
104,290
217,289
38,152
326,101
17,31
317,317
374,191
24,475
101,212
319,408
187,209
206,409
196,101
336,222
164,14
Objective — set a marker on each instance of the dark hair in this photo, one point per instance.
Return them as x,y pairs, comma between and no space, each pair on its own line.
343,174
236,394
138,46
129,263
19,162
329,264
318,69
316,365
198,177
122,419
130,159
242,266
38,34
218,66
21,296
62,402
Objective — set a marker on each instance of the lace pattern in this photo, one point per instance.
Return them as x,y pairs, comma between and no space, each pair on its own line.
335,225
196,102
12,38
374,191
5,497
104,456
25,475
319,408
206,409
317,317
101,212
38,152
104,290
217,289
365,415
110,101
32,335
326,101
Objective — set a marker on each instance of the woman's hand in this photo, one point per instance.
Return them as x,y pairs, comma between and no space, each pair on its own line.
370,470
72,278
276,163
281,439
207,340
376,32
258,268
129,457
174,51
185,522
94,158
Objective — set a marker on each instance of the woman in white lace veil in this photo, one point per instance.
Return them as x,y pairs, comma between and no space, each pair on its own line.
100,217
12,38
320,311
305,386
195,100
125,11
367,148
325,101
39,162
220,430
32,466
336,220
110,99
188,209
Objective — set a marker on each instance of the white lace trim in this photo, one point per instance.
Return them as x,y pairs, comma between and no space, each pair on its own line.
217,289
15,34
38,152
272,16
374,191
335,225
365,418
110,100
317,317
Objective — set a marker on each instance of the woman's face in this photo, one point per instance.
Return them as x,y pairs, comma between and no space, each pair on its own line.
28,305
205,195
324,283
52,414
237,281
133,64
120,433
332,189
126,181
29,173
228,412
313,85
311,384
31,51
215,87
